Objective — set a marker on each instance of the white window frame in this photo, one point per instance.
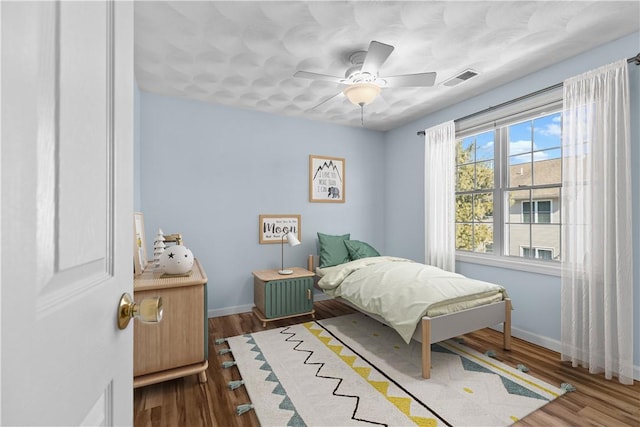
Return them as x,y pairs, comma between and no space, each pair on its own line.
539,104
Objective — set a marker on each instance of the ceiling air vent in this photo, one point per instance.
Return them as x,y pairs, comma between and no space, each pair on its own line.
462,77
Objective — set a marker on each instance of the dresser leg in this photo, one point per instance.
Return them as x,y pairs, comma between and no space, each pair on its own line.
202,376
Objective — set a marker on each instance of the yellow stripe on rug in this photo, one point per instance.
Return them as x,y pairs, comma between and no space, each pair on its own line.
504,371
402,403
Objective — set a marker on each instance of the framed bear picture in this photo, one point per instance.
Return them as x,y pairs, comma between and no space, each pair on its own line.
326,179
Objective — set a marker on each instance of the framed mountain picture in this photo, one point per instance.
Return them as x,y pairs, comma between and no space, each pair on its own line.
326,179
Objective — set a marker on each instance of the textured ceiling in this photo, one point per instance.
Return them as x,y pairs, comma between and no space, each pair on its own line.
244,54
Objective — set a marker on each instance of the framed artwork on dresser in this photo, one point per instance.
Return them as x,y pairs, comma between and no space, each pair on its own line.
139,244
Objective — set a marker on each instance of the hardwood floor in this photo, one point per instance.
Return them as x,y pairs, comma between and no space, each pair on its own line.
185,402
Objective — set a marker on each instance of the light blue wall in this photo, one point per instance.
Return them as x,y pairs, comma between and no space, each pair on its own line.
208,171
536,297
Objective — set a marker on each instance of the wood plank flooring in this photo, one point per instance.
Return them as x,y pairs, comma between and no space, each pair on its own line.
185,402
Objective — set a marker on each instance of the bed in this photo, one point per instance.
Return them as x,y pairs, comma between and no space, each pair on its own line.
392,290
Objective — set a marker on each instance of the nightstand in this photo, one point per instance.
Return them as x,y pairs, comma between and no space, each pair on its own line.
277,296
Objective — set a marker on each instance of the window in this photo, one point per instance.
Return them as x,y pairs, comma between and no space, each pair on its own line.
508,188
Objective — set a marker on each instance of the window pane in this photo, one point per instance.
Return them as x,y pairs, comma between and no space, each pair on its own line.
484,175
526,212
518,238
464,237
545,236
547,167
520,138
484,146
483,238
464,208
520,173
465,177
543,214
520,159
483,207
465,150
547,131
514,205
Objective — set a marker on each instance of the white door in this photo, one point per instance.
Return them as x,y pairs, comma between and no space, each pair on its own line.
66,186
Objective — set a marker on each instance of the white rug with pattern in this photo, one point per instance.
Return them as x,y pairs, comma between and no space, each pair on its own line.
352,370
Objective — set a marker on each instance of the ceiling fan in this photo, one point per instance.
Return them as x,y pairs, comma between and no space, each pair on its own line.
362,79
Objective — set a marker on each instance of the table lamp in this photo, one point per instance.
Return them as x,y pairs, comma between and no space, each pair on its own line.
292,240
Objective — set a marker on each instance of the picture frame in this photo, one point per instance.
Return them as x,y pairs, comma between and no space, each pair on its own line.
271,227
139,244
326,179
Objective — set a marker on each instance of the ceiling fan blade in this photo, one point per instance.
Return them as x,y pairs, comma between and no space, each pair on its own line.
411,80
316,76
376,55
327,100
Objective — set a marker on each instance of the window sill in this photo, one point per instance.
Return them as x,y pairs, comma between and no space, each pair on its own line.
550,268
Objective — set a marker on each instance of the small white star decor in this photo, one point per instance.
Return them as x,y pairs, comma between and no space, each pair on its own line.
176,259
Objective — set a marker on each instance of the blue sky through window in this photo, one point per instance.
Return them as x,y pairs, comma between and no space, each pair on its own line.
547,134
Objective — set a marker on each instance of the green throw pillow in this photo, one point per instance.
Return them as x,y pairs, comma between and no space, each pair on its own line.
332,250
358,249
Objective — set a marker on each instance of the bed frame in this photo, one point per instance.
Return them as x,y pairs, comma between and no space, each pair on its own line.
435,329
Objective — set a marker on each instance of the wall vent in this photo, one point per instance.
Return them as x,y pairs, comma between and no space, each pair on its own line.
460,78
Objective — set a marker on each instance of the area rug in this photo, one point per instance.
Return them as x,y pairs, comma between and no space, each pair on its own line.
352,370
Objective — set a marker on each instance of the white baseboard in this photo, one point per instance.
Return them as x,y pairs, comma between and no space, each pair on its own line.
549,343
225,311
540,340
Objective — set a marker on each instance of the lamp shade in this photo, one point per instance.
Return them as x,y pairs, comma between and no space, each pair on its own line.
292,239
362,93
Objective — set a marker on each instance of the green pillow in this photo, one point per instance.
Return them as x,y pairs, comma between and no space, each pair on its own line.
332,250
358,249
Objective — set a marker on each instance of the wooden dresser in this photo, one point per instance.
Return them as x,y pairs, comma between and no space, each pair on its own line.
177,346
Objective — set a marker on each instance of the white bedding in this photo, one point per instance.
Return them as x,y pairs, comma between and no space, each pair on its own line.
402,291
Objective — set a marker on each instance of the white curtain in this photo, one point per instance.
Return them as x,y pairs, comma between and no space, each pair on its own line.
597,273
439,197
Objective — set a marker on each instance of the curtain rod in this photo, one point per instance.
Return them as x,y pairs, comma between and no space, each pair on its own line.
635,59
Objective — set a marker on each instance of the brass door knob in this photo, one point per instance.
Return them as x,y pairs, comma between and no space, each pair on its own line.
149,310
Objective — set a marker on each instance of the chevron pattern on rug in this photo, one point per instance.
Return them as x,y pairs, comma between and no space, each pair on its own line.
277,390
352,370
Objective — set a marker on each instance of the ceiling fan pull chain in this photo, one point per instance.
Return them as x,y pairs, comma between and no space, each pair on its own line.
362,114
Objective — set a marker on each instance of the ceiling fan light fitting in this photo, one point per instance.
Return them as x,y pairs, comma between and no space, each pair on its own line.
362,93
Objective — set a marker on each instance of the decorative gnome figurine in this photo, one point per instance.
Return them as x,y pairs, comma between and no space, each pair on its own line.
176,259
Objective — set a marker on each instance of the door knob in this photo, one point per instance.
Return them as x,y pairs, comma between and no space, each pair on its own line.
149,310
